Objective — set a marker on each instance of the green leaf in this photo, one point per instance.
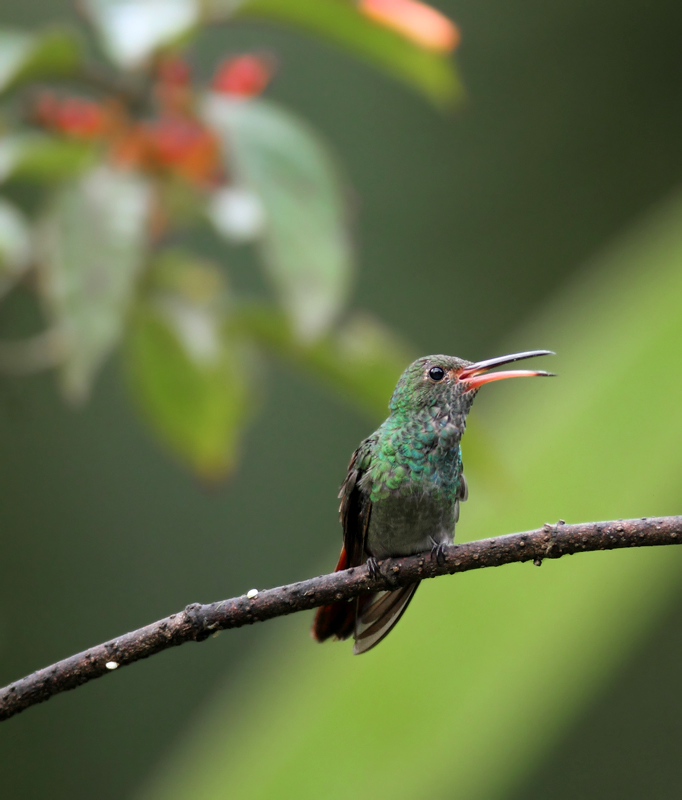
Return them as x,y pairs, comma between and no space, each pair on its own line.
185,369
132,30
39,158
340,22
305,245
516,653
92,248
361,360
15,248
27,56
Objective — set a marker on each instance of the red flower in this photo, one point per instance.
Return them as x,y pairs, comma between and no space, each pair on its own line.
244,76
73,116
83,119
184,146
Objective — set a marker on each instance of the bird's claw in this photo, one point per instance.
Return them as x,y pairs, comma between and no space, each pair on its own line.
373,567
438,552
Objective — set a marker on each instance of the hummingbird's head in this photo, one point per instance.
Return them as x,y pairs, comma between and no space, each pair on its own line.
448,382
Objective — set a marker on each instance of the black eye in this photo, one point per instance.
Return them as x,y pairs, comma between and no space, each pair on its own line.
436,373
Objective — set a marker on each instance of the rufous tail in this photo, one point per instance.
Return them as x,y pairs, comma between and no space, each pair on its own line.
336,619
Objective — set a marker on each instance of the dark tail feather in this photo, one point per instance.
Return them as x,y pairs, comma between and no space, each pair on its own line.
378,614
336,619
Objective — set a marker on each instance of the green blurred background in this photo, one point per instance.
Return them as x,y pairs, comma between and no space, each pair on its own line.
541,214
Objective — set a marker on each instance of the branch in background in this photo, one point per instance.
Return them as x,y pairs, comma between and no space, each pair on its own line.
197,622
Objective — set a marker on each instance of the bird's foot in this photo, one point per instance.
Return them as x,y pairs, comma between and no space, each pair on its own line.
373,567
438,552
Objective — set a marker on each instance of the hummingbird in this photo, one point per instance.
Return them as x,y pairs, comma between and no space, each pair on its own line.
404,486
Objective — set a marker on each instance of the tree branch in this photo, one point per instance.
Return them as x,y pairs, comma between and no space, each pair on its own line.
197,622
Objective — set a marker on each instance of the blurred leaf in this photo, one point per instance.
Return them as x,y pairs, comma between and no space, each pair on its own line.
183,203
91,251
339,21
305,244
186,370
132,30
15,247
362,359
27,56
39,158
519,650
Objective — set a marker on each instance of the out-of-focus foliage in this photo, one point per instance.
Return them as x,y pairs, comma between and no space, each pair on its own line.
132,31
361,358
36,158
14,245
423,67
406,39
305,243
188,369
25,56
92,243
133,154
498,660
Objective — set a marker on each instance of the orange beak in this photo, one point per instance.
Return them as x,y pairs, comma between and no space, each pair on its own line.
477,374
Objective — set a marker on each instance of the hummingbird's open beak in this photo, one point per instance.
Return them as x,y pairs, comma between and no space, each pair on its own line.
477,374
